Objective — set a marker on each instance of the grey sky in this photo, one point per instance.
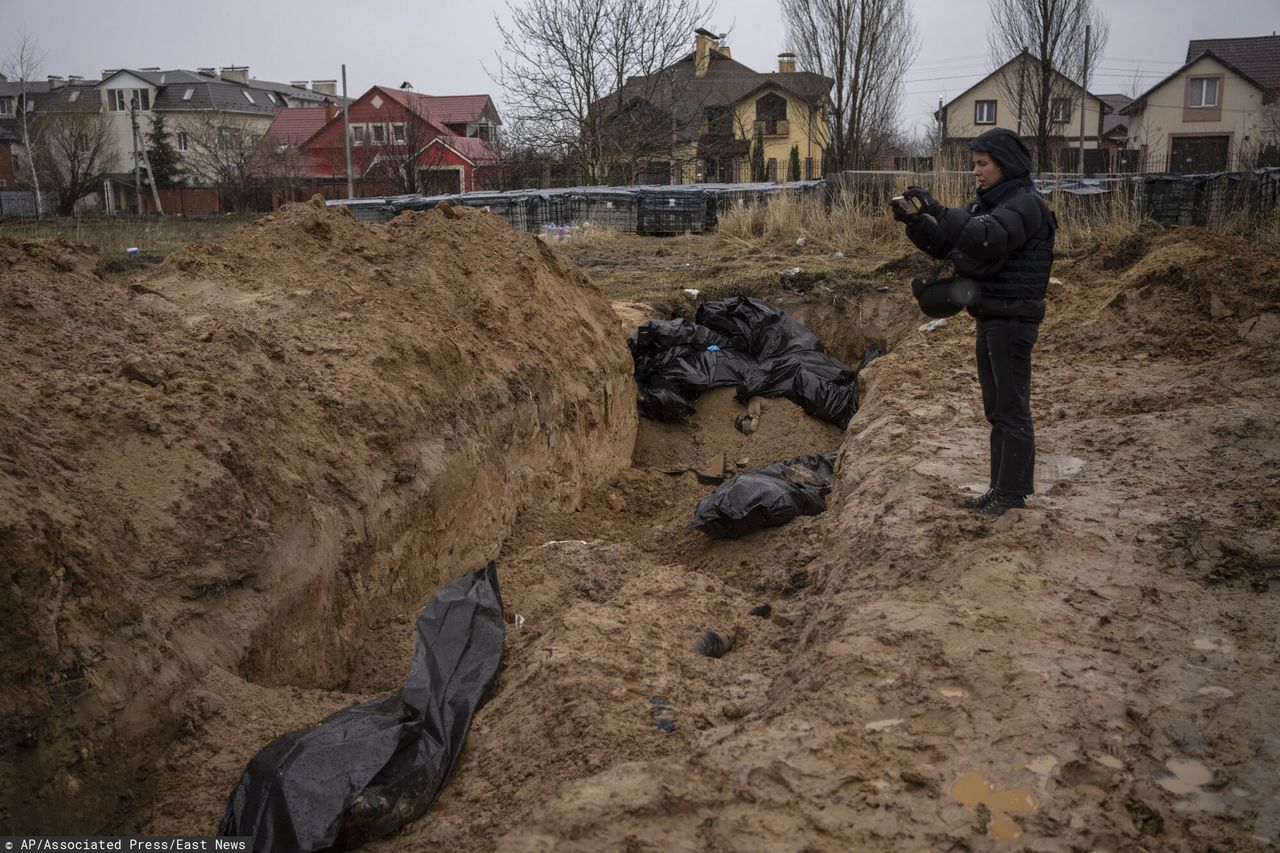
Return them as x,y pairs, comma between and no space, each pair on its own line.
444,48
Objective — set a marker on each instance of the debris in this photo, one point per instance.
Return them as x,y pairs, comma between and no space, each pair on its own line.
713,644
764,611
933,324
662,714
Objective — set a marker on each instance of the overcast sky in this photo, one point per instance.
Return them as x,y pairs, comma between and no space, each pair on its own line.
444,48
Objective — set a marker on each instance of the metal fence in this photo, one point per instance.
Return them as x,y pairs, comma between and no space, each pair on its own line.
658,209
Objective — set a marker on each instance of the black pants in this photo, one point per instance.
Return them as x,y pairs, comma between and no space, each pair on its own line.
1004,372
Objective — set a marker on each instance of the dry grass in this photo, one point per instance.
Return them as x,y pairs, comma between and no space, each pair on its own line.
1083,221
152,235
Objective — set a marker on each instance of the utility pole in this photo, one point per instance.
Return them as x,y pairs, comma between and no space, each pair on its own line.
137,170
140,144
1084,80
346,131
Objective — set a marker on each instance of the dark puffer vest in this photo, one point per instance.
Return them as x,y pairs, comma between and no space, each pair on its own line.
1003,239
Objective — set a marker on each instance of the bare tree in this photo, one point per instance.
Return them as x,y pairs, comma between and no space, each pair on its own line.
1052,32
23,66
77,147
563,58
395,148
866,46
222,150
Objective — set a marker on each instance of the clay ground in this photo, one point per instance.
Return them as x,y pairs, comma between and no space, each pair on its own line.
1097,671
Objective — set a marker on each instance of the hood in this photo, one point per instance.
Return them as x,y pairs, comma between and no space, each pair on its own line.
1006,149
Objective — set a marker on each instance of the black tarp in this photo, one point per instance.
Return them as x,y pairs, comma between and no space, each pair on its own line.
742,342
369,769
767,496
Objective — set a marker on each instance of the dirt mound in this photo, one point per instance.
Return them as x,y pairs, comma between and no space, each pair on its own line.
244,458
1188,291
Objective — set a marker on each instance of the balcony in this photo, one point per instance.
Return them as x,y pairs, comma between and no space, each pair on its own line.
773,127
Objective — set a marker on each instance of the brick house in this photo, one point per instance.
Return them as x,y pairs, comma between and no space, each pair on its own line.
401,142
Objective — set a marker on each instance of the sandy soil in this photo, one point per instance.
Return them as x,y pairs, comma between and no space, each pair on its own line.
1095,672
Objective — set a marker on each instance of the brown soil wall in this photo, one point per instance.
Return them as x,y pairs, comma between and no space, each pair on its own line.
266,444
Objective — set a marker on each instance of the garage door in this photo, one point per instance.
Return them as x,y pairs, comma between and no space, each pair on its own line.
1200,154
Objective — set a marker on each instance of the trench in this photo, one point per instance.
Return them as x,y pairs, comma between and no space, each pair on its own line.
347,635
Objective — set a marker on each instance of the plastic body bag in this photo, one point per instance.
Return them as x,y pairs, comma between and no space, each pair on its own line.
761,351
369,769
767,496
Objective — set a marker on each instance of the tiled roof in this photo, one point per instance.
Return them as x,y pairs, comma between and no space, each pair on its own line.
726,82
476,150
454,109
1258,57
210,94
296,125
417,103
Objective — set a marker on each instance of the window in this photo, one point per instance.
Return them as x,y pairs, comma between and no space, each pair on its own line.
6,106
186,96
771,115
719,120
357,134
121,100
397,133
74,96
271,96
379,134
984,112
1204,92
481,130
182,140
1061,109
247,96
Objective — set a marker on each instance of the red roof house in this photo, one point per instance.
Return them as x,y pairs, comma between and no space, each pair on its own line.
401,142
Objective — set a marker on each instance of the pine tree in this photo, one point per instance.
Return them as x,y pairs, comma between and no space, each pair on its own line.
793,166
757,157
165,164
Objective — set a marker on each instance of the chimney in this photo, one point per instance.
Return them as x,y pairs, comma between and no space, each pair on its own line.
724,51
325,87
150,68
204,72
107,72
704,42
786,63
55,81
330,110
236,74
298,84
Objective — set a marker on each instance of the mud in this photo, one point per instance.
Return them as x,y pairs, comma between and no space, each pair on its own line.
1093,672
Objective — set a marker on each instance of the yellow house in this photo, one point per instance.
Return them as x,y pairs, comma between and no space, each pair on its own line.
1211,114
1007,97
696,119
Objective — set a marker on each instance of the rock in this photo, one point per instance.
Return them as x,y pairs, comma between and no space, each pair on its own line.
1261,330
137,369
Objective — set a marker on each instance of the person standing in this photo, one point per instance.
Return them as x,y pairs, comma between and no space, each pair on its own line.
1003,239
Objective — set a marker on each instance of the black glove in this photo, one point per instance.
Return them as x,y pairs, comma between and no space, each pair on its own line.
925,202
901,214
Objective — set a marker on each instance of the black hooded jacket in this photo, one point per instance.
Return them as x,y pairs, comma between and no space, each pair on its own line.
1003,239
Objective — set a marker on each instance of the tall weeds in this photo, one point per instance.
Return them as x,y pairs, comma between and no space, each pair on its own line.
1083,221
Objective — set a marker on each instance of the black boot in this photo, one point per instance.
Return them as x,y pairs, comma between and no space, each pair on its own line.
979,501
1002,503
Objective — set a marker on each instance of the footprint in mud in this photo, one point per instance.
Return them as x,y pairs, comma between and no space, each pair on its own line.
974,790
1188,783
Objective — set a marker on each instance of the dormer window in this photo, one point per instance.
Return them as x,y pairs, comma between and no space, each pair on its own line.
122,100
